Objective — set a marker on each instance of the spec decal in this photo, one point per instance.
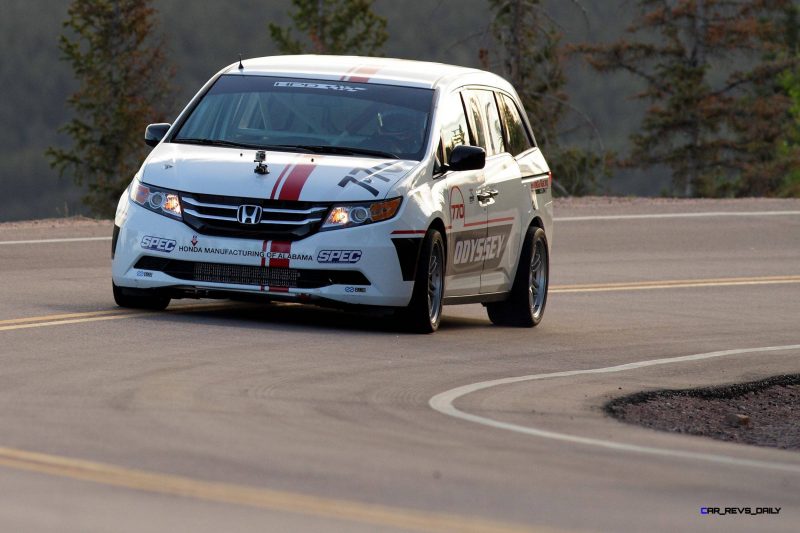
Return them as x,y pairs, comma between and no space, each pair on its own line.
158,244
339,256
144,274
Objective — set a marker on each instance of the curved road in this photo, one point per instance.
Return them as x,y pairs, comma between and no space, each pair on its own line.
217,416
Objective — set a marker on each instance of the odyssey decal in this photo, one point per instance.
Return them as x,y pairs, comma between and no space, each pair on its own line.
339,256
158,244
476,250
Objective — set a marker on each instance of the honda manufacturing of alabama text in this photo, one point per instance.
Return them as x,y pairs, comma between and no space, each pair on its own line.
344,181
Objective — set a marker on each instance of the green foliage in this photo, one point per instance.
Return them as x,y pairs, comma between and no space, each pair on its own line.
527,51
122,81
714,126
790,82
343,27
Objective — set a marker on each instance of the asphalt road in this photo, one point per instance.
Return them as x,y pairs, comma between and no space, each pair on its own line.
234,417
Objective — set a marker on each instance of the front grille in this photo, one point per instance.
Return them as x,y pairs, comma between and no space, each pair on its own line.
281,219
299,278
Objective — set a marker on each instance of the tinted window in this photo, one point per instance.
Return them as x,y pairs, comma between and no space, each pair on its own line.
265,111
492,120
516,135
476,122
454,125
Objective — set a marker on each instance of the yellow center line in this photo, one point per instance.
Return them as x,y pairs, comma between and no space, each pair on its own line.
261,498
50,318
97,316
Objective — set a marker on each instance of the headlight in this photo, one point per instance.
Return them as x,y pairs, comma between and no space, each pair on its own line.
349,215
160,201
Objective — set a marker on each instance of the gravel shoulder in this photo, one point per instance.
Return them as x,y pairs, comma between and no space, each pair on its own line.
759,413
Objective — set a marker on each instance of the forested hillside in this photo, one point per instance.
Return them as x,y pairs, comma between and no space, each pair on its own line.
203,36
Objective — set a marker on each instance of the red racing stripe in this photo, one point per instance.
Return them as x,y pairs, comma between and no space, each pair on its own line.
347,74
280,248
264,257
364,74
409,232
289,166
296,180
487,222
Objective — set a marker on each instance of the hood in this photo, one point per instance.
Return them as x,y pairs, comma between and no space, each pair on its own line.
291,176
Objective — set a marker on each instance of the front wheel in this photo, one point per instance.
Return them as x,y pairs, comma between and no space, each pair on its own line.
139,298
424,312
525,306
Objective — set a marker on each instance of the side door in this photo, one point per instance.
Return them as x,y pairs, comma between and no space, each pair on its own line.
466,215
500,196
536,179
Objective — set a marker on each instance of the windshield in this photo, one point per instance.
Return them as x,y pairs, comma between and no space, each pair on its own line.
311,115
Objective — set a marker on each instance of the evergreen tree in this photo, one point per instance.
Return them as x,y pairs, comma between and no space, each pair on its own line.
527,51
122,82
789,146
712,124
343,27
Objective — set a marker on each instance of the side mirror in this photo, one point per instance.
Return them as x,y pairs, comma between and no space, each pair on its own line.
155,132
465,157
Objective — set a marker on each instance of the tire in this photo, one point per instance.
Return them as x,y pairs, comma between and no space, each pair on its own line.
525,306
424,312
140,298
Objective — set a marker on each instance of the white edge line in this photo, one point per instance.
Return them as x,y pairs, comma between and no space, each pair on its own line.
443,403
557,219
70,239
679,215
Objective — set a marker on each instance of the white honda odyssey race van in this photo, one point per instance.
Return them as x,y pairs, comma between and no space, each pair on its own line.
346,181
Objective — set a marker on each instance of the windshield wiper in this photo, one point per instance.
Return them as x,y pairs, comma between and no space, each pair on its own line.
214,142
233,144
341,150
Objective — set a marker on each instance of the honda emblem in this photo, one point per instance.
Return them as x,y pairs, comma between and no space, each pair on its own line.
249,214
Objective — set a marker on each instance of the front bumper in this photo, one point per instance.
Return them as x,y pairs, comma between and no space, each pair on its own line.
351,266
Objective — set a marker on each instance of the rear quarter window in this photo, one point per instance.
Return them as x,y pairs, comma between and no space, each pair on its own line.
517,138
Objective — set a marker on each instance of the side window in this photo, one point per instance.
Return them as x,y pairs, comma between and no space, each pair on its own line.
454,125
493,125
516,135
476,121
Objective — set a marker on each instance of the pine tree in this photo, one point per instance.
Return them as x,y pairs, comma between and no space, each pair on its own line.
122,77
713,124
789,146
332,27
527,51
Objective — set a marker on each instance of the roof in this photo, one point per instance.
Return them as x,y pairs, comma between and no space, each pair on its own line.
358,69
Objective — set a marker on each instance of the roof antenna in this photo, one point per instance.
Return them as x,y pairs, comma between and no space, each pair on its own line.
241,67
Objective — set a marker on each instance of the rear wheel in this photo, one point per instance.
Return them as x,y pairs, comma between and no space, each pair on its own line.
525,306
140,298
424,312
